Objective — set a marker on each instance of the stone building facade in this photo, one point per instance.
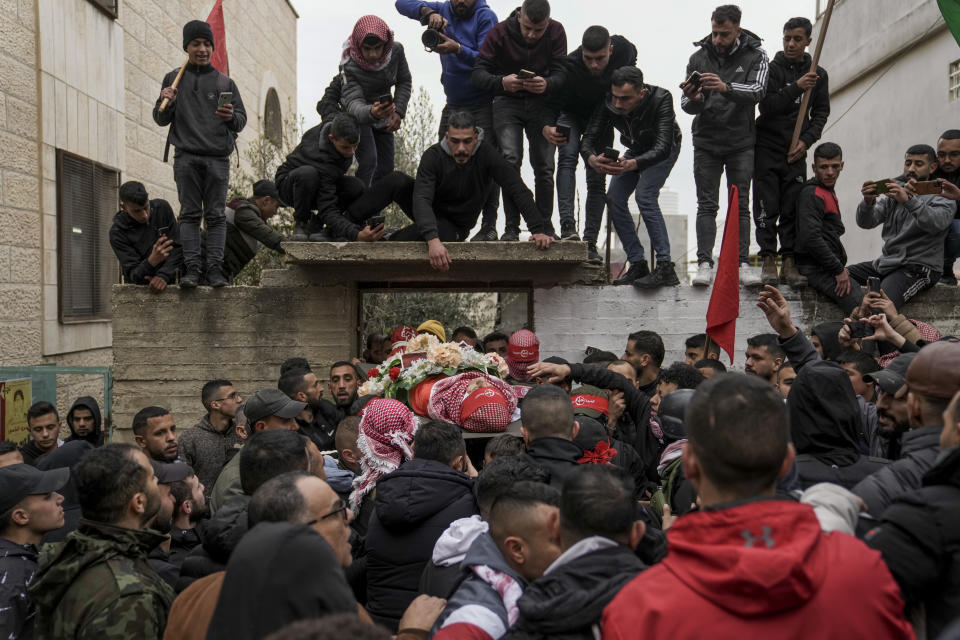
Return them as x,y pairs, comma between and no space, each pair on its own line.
78,80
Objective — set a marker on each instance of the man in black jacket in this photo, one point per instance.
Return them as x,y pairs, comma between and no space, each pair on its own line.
731,77
948,168
820,256
319,418
779,170
453,179
599,530
586,83
548,428
247,227
145,237
85,422
643,114
205,115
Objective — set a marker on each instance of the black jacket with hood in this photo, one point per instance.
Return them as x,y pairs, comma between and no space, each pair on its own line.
66,456
819,227
132,243
96,436
919,449
559,456
457,191
781,104
414,505
582,91
725,122
221,536
825,425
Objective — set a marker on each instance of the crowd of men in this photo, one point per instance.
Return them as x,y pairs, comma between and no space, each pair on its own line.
627,499
514,79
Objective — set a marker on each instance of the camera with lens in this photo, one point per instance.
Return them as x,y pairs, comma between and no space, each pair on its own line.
430,39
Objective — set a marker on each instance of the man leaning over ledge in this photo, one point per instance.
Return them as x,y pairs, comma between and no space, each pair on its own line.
145,238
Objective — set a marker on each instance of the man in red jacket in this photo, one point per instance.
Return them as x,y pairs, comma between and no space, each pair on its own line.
747,565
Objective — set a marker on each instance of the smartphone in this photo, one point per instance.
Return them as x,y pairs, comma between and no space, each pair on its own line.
881,186
873,284
164,231
524,74
611,154
563,131
385,99
860,329
591,350
693,80
376,221
224,98
930,188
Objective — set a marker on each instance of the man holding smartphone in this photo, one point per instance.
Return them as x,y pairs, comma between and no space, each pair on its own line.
145,238
204,118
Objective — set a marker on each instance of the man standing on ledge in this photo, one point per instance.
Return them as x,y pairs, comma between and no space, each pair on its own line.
204,122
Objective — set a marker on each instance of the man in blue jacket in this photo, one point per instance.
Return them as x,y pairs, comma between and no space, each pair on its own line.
462,25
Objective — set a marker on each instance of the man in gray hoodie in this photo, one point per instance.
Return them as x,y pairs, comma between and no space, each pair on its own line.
914,227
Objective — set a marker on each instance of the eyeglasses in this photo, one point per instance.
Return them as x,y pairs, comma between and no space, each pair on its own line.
340,507
233,396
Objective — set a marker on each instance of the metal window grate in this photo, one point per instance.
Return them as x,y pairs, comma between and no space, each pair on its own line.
87,196
109,7
954,90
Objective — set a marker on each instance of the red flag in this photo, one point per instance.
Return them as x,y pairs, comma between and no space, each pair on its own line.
725,297
219,57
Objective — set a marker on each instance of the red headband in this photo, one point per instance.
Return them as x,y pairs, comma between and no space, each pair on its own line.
480,398
523,354
587,401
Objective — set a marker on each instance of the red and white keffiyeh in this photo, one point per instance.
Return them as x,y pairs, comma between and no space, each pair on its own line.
929,332
368,26
386,431
523,349
485,410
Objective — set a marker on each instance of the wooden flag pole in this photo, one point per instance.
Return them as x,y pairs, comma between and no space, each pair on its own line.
805,103
176,82
706,346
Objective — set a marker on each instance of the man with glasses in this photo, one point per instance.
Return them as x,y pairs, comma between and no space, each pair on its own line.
213,441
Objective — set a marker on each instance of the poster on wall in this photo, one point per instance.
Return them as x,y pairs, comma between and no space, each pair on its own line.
15,399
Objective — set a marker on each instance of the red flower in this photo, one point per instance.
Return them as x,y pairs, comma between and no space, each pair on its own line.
373,373
603,453
394,373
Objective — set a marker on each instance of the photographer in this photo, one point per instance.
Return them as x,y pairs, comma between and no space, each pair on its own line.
459,28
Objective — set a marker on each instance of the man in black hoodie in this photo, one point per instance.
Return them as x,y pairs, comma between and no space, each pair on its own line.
84,421
205,114
779,171
145,237
453,179
548,428
586,82
599,530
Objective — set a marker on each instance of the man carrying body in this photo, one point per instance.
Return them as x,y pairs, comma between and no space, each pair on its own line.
820,256
549,428
204,123
247,227
643,114
532,45
914,227
453,177
462,26
586,83
732,72
779,171
145,237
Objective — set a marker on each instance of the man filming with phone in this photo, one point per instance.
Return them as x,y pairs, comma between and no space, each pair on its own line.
145,238
914,227
204,121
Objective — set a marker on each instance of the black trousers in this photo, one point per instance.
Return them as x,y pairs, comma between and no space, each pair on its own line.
447,231
826,284
899,285
776,187
394,187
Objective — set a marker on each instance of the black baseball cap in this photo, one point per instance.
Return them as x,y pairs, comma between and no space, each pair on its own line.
170,472
17,481
263,188
271,402
893,378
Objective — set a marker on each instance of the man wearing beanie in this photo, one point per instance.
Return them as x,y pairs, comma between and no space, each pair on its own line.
205,114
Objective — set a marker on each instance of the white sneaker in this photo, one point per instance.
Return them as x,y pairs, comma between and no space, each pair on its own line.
749,276
704,275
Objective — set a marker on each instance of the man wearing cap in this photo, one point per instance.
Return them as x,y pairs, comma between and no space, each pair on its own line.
523,350
891,434
29,507
247,227
932,380
204,122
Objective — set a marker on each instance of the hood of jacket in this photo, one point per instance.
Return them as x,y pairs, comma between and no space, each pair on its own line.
752,560
946,470
418,490
748,40
95,437
825,417
340,480
92,543
224,531
476,147
573,595
827,332
781,60
454,544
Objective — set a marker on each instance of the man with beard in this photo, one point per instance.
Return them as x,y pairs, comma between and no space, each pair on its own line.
156,433
764,357
318,420
98,584
645,352
85,422
913,230
343,384
160,558
948,169
189,509
893,420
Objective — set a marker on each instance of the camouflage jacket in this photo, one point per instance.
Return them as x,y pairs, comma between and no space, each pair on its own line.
97,584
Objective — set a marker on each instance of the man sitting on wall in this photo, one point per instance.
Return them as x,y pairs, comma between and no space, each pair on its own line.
247,227
145,238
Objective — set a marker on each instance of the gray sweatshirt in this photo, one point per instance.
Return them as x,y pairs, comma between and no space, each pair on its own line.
912,233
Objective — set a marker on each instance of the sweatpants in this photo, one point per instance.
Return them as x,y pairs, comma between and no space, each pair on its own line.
776,187
899,285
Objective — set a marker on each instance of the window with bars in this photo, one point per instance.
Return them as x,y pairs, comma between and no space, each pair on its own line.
87,196
109,7
954,89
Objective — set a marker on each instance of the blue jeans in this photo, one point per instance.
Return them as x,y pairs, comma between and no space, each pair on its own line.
708,167
374,154
567,158
647,186
951,247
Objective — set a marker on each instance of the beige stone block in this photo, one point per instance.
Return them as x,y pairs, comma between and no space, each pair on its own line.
50,239
132,21
59,40
17,41
20,191
19,80
72,125
20,343
48,162
60,106
49,202
48,112
83,125
20,228
4,263
24,266
47,31
27,15
22,118
21,302
3,111
50,298
51,268
93,126
17,153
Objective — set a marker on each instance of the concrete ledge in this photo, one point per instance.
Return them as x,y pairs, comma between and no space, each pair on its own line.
416,252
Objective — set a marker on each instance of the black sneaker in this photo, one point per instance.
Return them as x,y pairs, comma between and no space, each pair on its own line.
634,273
299,232
485,235
663,276
320,236
569,233
191,278
215,277
593,255
510,235
948,279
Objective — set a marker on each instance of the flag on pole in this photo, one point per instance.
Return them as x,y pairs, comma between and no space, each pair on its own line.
219,57
725,297
951,13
